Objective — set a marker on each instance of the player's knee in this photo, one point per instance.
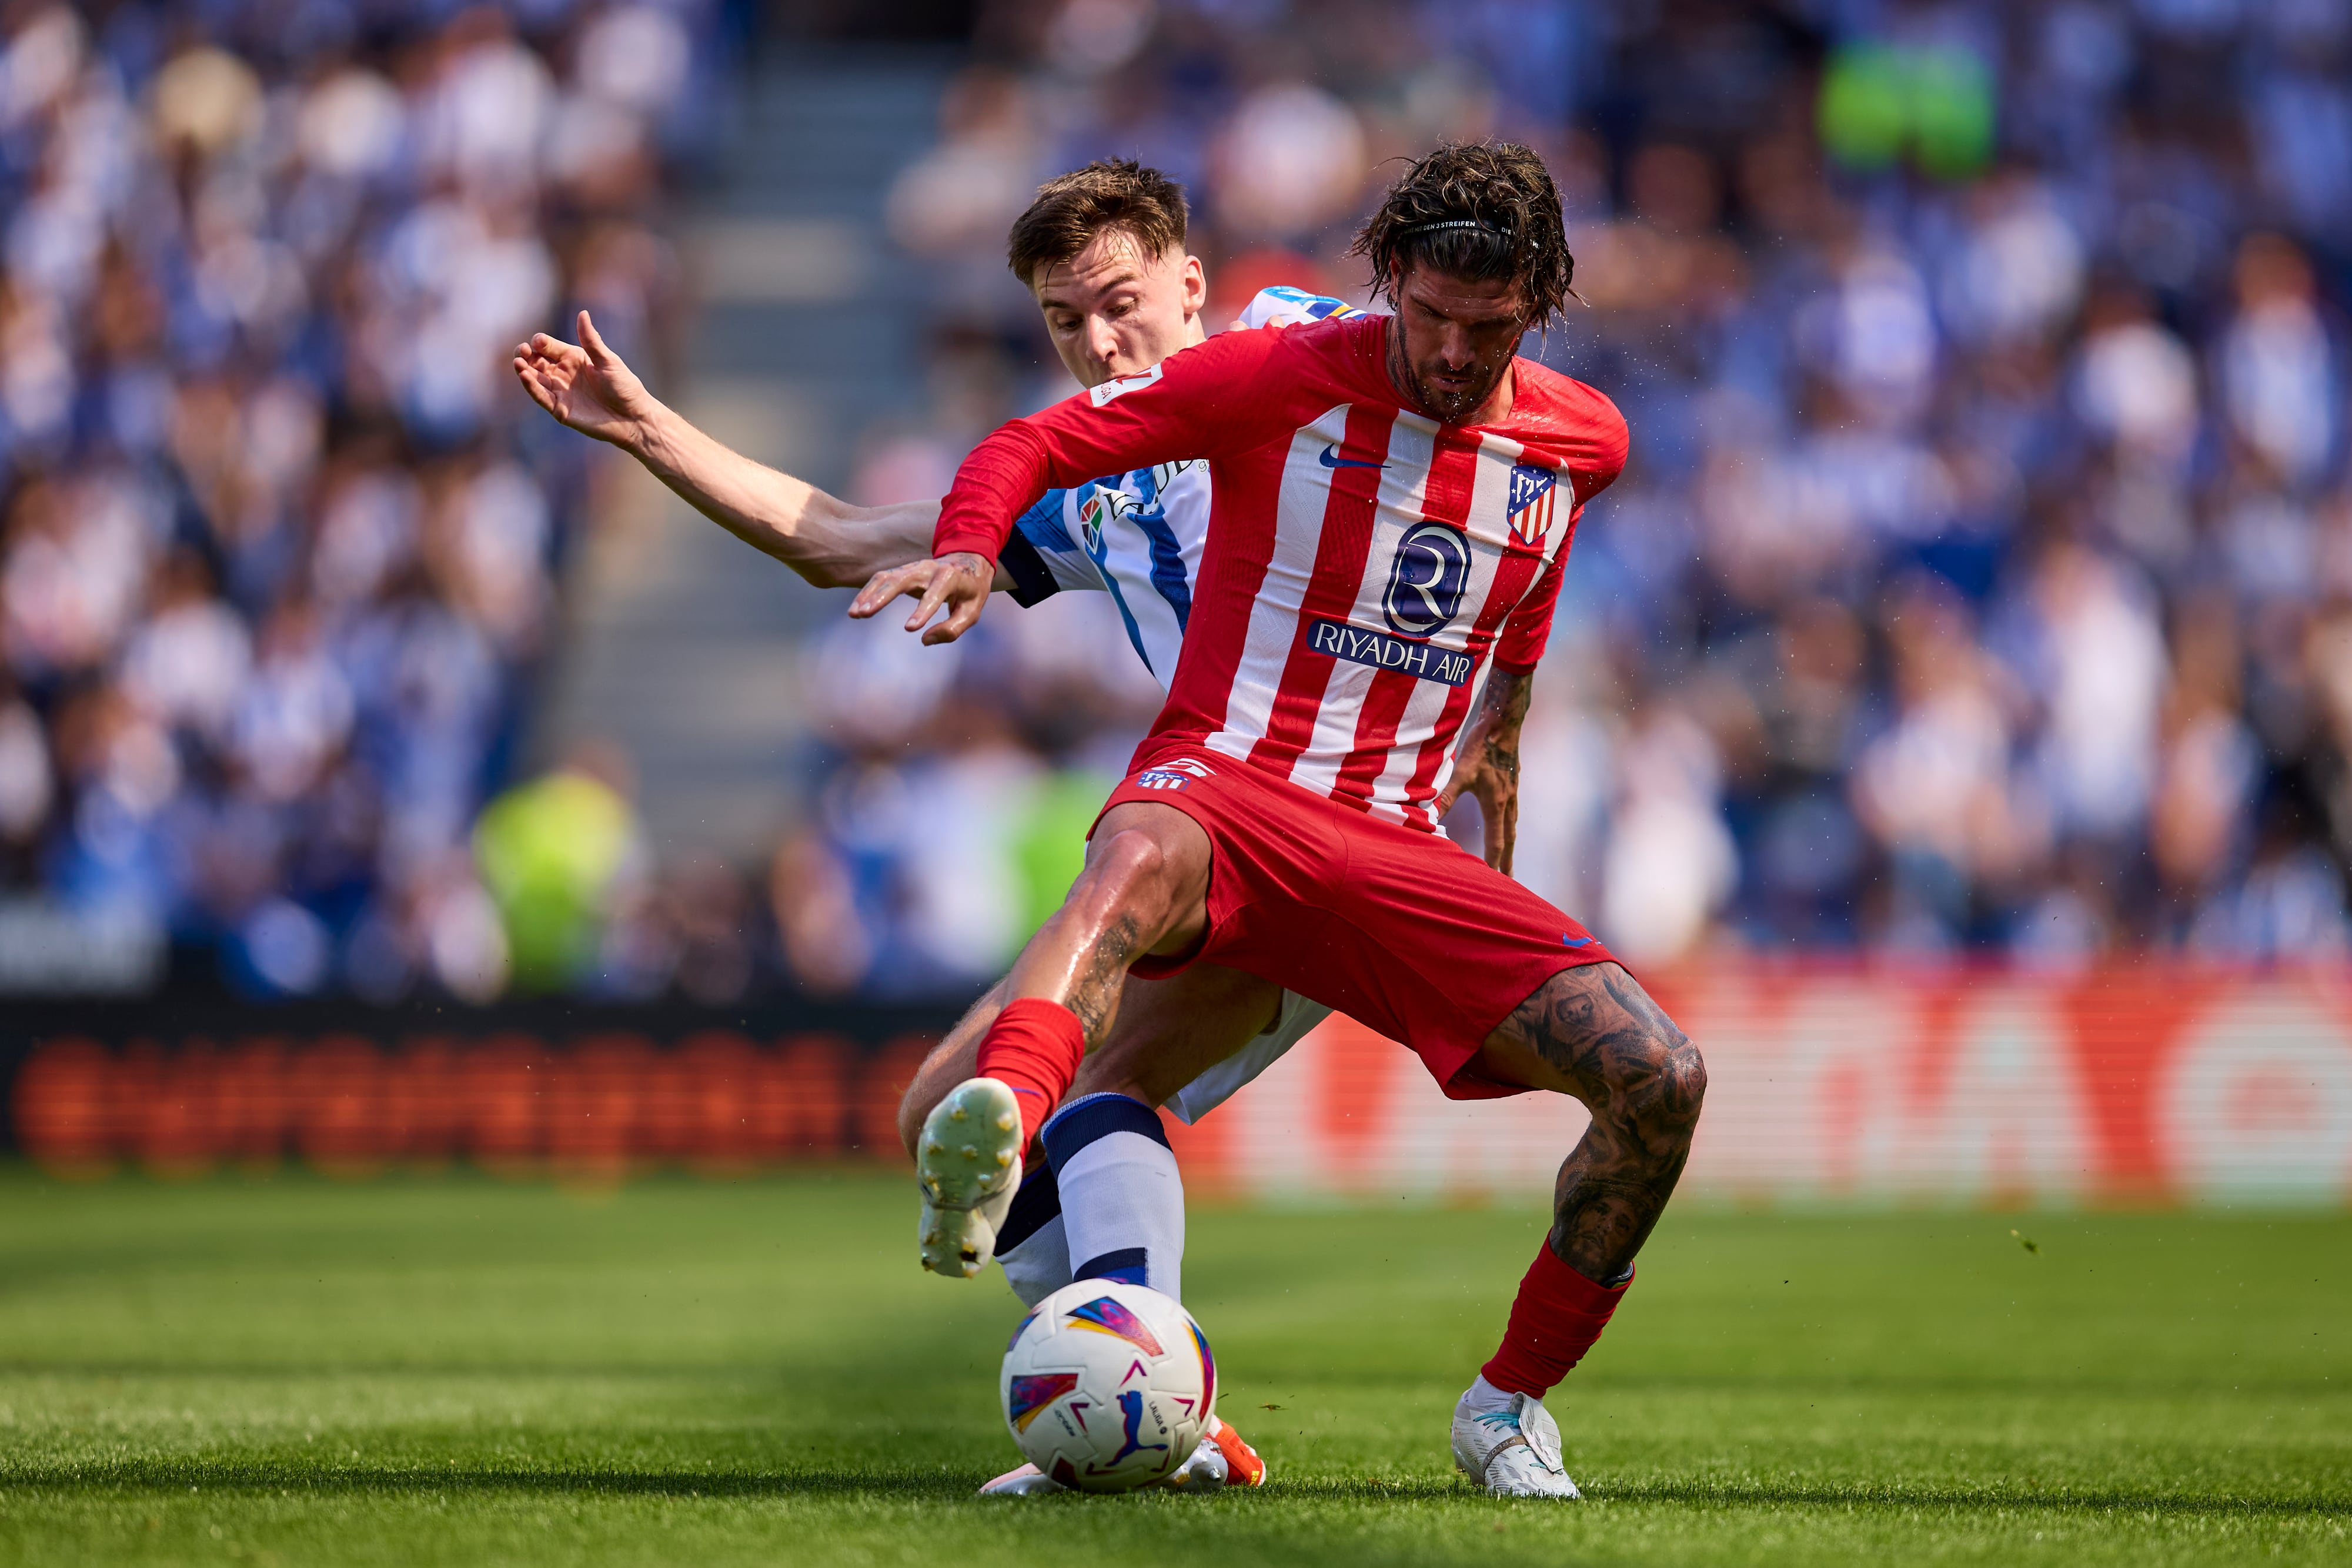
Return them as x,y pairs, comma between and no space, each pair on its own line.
1132,869
1684,1079
1673,1082
1653,1063
1131,855
1664,1055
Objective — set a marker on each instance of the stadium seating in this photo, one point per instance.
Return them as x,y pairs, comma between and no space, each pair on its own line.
281,543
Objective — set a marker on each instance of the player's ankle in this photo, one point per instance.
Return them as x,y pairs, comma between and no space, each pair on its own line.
1033,1049
1483,1399
1555,1319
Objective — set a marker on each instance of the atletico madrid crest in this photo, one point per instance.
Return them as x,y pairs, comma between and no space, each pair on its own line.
1531,501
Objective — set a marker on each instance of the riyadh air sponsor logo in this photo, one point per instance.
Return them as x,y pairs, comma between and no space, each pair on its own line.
1125,384
1426,578
1331,458
1423,661
1531,504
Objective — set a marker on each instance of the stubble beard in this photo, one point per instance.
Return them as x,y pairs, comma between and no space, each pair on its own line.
1446,408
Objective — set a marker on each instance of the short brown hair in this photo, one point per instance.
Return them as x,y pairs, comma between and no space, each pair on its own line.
1479,209
1072,209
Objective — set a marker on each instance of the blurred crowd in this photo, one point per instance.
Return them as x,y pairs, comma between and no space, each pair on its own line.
279,544
1982,580
1980,583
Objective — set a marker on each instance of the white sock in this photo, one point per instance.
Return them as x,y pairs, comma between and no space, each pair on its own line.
1122,1197
1032,1247
1039,1265
1482,1398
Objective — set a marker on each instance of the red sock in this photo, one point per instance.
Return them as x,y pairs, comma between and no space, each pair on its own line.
1558,1315
1033,1048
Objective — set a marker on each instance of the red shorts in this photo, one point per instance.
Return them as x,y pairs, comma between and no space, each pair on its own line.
1407,932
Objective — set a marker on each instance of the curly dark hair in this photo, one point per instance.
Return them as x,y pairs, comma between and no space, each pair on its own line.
1479,209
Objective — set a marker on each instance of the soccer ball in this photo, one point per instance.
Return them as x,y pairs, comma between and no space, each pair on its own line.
1108,1386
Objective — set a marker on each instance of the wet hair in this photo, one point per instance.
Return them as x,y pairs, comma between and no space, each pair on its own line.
1476,210
1072,209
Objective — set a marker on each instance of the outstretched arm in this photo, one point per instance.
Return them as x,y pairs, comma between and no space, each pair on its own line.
1198,403
830,543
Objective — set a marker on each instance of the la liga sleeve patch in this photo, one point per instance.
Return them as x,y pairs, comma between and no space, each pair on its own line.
1109,390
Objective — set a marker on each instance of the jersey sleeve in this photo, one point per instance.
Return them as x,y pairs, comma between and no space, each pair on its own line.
1527,628
1041,556
1201,401
1607,442
1033,580
1602,444
1285,306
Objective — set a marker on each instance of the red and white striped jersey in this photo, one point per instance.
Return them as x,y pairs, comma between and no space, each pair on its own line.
1364,564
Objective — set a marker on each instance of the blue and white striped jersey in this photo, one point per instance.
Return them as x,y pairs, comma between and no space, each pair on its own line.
1137,535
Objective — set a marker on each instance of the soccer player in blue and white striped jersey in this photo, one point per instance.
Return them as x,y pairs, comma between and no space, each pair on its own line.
1137,535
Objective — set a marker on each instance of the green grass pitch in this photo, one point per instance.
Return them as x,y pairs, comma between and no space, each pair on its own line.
464,1372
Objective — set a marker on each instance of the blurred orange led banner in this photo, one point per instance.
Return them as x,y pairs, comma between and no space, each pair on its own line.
603,1104
2139,1084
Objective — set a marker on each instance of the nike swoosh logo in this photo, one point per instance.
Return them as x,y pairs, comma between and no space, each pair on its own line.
1331,462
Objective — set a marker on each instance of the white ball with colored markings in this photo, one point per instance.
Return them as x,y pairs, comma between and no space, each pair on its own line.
1108,1386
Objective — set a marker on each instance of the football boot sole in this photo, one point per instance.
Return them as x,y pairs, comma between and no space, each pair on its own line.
967,1165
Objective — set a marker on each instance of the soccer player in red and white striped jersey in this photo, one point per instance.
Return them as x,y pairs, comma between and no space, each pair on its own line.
1394,497
1367,559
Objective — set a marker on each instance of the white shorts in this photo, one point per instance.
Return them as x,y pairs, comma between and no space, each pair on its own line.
1222,1082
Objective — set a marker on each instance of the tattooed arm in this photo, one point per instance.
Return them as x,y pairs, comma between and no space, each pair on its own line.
1486,763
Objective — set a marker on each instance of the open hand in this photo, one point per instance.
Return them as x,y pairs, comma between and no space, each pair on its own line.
959,582
585,385
1494,784
1487,764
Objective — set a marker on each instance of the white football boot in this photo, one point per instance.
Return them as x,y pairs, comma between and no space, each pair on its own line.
1221,1459
968,1164
1512,1452
1026,1481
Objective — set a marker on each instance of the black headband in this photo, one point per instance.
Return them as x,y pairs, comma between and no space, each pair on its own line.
1457,223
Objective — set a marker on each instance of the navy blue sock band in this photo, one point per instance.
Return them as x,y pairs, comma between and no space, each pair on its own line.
1129,1265
1035,1206
1077,1124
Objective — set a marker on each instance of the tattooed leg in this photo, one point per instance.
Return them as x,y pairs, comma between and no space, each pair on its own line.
1145,890
1594,1033
1167,1033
